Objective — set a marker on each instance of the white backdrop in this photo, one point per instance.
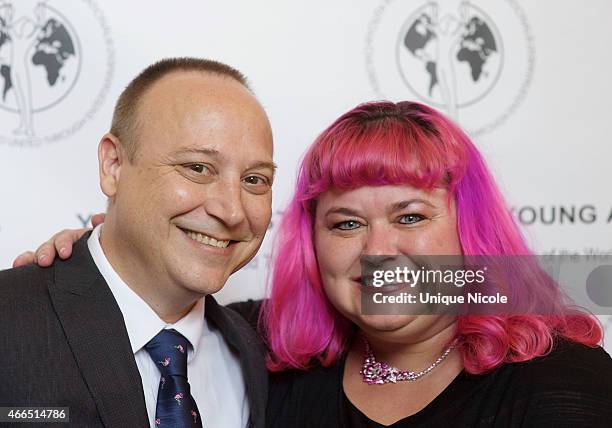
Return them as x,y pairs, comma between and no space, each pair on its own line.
537,105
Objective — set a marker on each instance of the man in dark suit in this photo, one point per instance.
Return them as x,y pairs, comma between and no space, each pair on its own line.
121,333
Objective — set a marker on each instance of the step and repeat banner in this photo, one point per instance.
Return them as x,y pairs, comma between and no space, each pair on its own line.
529,80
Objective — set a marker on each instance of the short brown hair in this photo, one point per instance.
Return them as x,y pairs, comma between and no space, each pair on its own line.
125,122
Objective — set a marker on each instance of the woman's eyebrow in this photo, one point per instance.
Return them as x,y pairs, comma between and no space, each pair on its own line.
341,210
397,206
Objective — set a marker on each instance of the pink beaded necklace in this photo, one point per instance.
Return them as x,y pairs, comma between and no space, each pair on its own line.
378,373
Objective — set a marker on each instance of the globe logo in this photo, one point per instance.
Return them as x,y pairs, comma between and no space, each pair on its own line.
473,59
449,61
45,70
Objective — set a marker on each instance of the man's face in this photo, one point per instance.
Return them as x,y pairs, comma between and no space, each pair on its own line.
194,204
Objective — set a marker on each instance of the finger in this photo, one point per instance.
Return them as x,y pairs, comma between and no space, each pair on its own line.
97,219
24,259
45,254
63,241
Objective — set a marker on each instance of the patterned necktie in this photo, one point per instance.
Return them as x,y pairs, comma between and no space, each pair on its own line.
176,407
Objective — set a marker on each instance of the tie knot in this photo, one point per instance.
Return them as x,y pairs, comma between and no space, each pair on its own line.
168,350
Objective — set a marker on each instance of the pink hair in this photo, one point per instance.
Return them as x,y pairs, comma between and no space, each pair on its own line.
382,143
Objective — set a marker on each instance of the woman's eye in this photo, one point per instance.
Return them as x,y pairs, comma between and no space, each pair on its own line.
347,225
411,218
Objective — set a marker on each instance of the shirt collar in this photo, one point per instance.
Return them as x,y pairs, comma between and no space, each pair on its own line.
141,321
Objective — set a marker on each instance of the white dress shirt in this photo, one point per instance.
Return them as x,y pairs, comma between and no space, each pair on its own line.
213,370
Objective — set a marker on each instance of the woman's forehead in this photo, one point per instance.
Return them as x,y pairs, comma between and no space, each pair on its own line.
386,195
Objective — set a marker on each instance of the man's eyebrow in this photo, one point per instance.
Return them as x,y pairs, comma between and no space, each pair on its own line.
186,151
217,154
263,164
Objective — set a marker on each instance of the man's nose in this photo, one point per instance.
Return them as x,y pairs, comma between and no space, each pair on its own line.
226,204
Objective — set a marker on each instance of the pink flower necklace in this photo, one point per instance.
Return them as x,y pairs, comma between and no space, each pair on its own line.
378,373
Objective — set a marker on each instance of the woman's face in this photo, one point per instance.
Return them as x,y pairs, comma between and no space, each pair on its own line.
383,220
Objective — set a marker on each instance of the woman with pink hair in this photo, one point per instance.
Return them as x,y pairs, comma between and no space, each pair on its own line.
389,179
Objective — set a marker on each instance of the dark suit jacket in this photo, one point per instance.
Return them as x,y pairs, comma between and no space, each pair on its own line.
63,342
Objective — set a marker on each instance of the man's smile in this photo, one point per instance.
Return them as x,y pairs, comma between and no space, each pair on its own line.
206,239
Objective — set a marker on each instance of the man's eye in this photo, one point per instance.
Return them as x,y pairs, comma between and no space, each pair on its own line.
197,167
255,180
257,184
347,225
196,172
411,218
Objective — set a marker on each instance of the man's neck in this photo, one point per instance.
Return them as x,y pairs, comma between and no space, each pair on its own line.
170,303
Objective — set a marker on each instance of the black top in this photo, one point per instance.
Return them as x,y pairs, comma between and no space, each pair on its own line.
571,387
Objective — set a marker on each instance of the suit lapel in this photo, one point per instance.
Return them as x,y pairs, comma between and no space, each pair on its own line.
241,337
96,333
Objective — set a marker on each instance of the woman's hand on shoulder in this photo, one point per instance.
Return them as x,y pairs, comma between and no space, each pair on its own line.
59,244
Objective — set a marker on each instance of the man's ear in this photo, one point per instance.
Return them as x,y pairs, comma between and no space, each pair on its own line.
110,158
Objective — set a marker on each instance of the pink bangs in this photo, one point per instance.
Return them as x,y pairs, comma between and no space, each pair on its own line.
385,150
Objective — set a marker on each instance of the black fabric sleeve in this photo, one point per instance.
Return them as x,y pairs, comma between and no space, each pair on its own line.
249,310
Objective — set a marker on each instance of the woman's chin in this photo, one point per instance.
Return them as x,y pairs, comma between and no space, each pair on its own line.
384,323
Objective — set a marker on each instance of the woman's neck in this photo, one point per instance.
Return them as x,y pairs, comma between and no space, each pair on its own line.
408,353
